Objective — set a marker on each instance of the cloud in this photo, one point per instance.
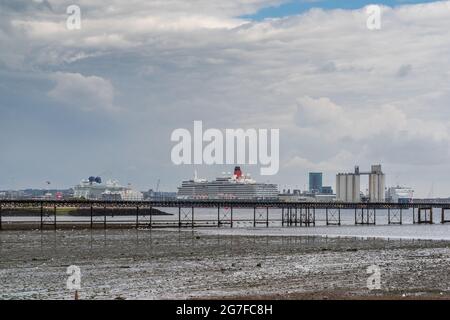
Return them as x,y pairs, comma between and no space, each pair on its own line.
333,164
404,70
340,93
89,93
373,132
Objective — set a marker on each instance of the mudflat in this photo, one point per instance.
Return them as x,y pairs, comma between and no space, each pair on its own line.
185,264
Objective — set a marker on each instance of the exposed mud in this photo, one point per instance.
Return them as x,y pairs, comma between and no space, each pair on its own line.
143,264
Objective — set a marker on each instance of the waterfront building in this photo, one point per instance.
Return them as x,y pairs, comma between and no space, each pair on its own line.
326,190
348,185
315,182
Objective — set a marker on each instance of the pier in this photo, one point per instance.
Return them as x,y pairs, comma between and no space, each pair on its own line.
52,214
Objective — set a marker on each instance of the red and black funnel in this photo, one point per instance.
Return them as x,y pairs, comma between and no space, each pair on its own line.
237,172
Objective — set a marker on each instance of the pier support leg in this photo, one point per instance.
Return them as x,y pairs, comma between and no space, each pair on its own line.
179,216
151,218
367,216
443,218
92,216
1,217
137,217
192,216
104,217
254,217
54,217
42,215
333,216
282,217
231,221
425,218
395,215
267,217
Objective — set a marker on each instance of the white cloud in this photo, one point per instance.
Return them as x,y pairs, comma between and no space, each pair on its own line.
88,93
341,94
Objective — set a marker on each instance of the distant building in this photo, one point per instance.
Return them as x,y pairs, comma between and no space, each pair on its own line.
325,197
348,185
326,190
315,182
12,195
377,184
159,195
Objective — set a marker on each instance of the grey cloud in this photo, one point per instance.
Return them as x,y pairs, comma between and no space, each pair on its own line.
23,6
321,77
84,92
404,70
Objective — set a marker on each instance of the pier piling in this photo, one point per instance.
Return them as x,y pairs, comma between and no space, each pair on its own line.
395,215
104,217
54,216
151,214
137,217
42,215
92,216
333,216
443,217
427,217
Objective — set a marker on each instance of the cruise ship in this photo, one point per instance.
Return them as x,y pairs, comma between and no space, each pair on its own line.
237,186
94,189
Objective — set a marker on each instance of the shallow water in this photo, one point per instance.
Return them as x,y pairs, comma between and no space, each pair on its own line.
423,232
243,223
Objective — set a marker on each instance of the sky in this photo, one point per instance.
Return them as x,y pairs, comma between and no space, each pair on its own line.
104,100
295,7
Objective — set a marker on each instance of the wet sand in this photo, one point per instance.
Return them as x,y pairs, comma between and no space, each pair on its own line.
173,264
